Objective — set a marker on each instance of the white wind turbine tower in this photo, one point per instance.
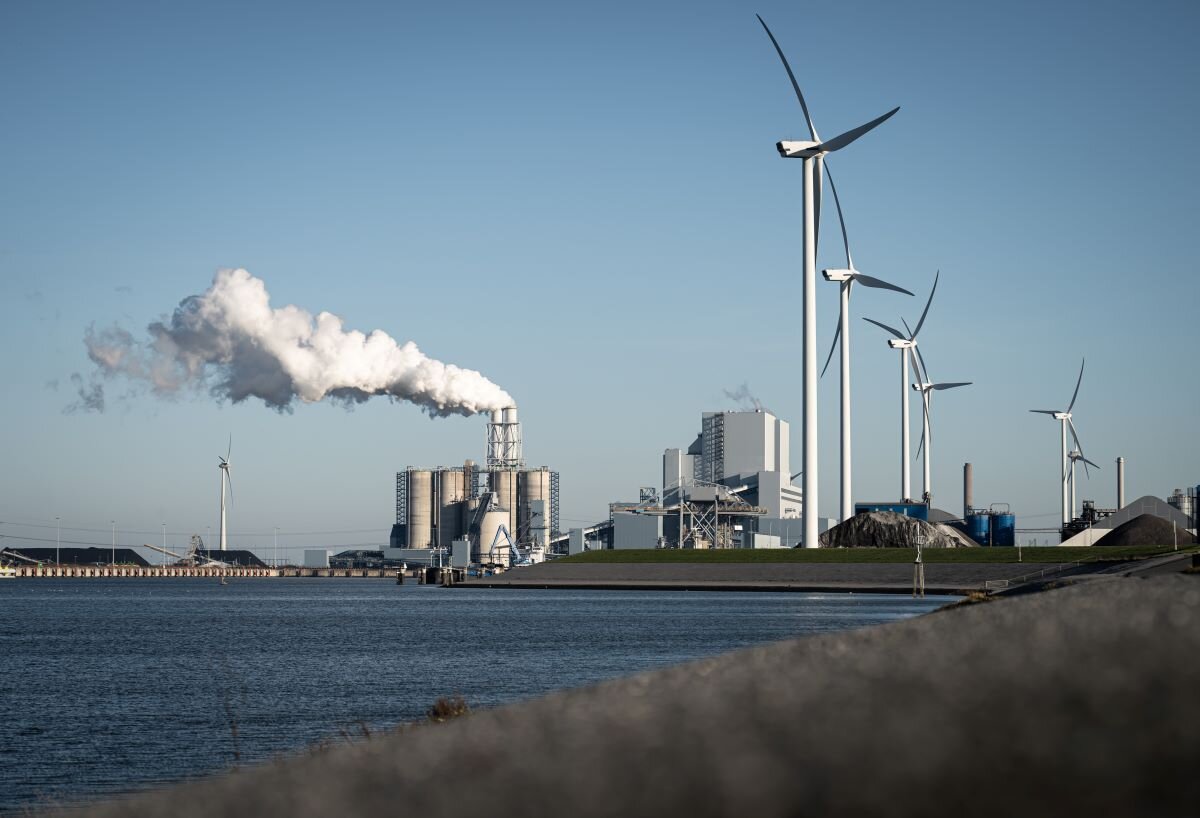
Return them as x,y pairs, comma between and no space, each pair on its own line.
1064,420
225,465
904,343
927,388
812,153
1076,455
847,278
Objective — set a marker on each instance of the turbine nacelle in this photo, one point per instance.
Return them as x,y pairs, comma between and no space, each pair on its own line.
901,343
1062,415
795,149
839,275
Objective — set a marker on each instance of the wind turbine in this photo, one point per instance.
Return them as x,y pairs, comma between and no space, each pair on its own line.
225,465
926,388
1076,455
904,343
846,278
1064,420
812,153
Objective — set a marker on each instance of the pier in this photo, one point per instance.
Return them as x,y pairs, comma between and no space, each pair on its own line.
184,571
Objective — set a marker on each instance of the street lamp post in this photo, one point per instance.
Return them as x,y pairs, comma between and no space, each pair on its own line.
57,541
276,558
114,542
164,552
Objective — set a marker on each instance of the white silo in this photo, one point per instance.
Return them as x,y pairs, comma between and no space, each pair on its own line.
533,485
503,484
450,508
420,508
489,528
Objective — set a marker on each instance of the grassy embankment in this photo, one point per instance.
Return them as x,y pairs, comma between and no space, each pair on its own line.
1044,554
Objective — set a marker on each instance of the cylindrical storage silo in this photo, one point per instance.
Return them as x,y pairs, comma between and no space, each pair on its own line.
420,508
979,528
488,530
451,494
503,484
1004,529
533,485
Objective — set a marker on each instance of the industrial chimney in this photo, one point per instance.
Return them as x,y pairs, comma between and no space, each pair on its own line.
968,489
1120,483
504,440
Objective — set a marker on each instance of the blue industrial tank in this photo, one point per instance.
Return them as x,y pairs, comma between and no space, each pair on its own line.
978,528
1004,529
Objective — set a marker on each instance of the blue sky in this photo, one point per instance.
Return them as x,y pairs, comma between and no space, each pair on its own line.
585,204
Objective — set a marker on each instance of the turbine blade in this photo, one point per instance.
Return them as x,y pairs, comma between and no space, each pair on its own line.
924,369
787,67
1087,473
229,481
1090,463
892,330
1075,436
921,443
1076,394
1045,411
877,283
229,451
841,219
949,385
842,140
836,335
927,303
917,369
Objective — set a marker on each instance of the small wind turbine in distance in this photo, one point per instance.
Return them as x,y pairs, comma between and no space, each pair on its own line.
812,153
225,465
846,278
927,388
1076,455
904,343
1064,420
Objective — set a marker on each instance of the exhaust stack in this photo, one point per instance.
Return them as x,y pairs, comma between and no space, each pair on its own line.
968,489
1120,483
504,440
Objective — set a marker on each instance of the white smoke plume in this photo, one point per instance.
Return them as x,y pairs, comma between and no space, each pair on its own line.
230,340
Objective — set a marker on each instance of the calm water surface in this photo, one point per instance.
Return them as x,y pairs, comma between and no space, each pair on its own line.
112,685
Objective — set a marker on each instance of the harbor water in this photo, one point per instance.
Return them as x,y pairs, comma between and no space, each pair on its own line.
115,685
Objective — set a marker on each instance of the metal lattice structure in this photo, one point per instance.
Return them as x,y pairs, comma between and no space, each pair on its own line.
504,440
401,497
713,447
555,529
704,523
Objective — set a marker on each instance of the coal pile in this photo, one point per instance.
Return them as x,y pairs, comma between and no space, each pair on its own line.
1146,529
887,529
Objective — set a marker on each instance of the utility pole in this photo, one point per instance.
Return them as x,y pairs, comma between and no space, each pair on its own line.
164,553
114,542
57,541
276,559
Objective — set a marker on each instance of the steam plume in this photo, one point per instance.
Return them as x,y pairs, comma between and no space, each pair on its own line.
743,397
231,340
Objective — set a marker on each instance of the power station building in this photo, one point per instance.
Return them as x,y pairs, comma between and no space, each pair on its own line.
503,505
746,450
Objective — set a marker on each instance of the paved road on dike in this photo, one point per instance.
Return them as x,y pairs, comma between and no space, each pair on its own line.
782,575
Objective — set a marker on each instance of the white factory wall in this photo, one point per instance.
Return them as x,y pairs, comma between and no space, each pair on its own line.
316,558
636,530
753,442
676,464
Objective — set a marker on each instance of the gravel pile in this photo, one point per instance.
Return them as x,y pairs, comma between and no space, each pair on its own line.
887,529
1145,529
